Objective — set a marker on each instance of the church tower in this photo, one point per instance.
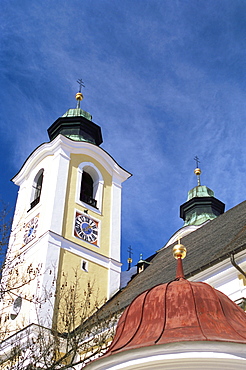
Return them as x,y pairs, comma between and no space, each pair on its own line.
201,207
67,221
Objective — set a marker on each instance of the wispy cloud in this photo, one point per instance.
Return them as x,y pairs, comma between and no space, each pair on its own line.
164,79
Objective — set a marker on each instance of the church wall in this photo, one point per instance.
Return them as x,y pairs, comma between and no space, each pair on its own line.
225,277
32,277
78,287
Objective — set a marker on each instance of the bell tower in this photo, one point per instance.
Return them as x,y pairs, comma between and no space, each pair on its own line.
201,205
67,220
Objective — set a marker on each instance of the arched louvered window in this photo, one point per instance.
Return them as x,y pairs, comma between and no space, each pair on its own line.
86,190
37,187
90,185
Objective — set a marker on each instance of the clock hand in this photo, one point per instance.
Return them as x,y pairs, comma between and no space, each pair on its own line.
86,228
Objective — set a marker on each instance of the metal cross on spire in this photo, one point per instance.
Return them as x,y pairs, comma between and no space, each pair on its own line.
197,170
81,84
197,160
79,95
129,260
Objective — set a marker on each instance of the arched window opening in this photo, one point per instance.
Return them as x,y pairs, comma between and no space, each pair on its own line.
16,308
89,186
37,187
87,189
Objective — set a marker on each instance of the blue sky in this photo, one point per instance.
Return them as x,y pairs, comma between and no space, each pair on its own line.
164,79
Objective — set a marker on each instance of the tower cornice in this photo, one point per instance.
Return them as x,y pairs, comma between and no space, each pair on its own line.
66,147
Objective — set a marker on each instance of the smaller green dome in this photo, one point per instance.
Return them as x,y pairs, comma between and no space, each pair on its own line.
200,191
77,112
201,206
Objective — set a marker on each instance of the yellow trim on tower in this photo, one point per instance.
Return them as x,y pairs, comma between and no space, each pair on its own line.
71,205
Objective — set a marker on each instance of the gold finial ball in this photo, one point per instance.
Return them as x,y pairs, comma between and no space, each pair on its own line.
179,251
79,96
197,171
129,260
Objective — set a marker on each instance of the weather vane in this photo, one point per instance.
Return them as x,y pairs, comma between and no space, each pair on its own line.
79,96
197,170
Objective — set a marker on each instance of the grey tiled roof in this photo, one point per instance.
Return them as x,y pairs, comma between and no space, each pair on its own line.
206,246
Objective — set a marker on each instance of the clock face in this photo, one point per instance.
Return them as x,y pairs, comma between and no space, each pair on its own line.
86,228
30,230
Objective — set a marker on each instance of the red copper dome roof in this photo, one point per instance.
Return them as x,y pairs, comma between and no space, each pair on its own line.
179,311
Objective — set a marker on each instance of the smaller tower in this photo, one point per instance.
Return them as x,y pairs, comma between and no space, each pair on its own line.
201,205
142,264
